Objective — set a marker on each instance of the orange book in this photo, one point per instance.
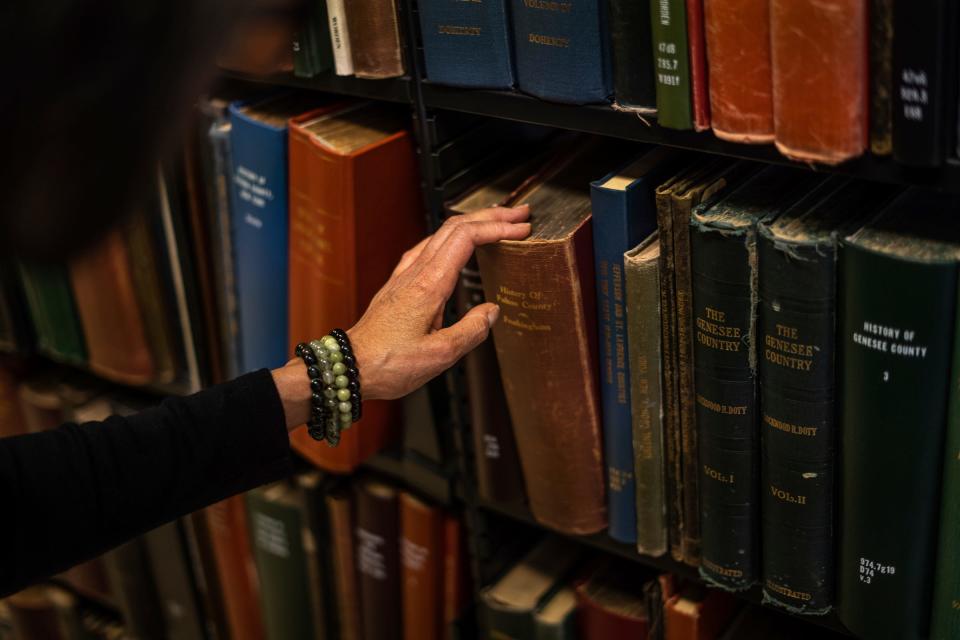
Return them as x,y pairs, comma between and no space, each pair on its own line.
421,548
738,56
456,579
820,78
112,321
355,207
698,613
230,539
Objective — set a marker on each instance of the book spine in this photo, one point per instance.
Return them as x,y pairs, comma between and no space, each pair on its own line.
546,293
881,77
945,621
316,548
724,299
700,94
344,566
53,311
375,39
421,548
467,44
643,328
918,81
820,110
175,585
340,37
797,429
499,478
614,231
895,330
561,50
132,583
741,89
633,75
260,236
668,26
456,589
378,562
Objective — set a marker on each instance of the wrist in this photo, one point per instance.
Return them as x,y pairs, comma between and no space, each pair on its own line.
293,385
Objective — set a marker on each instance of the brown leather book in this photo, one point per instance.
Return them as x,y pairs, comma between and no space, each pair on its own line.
741,85
456,577
611,604
699,84
545,288
355,207
698,613
12,422
230,541
346,589
820,90
110,314
375,39
421,557
378,559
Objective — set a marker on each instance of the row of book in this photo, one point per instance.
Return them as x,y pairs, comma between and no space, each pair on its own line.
557,591
49,611
744,69
313,556
685,345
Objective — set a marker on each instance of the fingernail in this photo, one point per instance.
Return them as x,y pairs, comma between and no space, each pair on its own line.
492,316
521,206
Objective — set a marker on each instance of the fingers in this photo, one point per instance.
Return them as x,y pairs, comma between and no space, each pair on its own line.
455,341
494,214
449,259
410,256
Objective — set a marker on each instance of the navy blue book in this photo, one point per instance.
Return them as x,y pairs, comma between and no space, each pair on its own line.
562,51
624,213
467,44
259,221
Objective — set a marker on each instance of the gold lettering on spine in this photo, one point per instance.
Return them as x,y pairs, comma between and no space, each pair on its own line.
457,30
548,41
784,350
721,571
786,496
787,427
719,476
788,592
549,5
726,409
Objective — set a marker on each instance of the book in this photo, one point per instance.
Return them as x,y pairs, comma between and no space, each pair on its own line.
508,605
820,112
467,44
44,611
881,77
634,87
378,559
343,247
111,318
724,274
259,224
276,531
199,548
312,488
698,613
623,213
175,582
556,618
741,86
346,588
53,311
374,38
656,593
668,25
640,266
796,324
699,85
421,564
131,579
561,50
611,604
897,303
229,529
924,78
539,307
457,590
340,37
312,51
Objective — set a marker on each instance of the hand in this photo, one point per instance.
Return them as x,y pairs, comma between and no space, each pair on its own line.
400,342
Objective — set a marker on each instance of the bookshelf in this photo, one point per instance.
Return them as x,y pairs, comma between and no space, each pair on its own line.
398,90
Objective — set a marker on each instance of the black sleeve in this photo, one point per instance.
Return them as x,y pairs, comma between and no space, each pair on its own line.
69,494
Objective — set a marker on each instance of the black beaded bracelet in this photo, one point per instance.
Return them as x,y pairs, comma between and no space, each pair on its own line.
319,412
335,385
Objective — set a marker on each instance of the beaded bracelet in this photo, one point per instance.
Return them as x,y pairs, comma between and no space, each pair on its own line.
335,384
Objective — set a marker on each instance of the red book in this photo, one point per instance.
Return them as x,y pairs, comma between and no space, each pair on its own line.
611,604
456,578
820,78
698,65
421,548
698,613
741,85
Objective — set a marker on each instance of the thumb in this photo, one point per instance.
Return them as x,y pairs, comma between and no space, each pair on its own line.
473,328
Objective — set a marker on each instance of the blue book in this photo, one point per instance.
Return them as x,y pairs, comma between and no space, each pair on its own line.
562,50
624,213
467,44
259,221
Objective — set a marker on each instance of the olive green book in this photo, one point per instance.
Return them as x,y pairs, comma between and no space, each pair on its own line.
671,63
53,311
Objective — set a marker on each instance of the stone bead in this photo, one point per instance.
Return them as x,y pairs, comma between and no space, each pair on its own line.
339,368
318,434
353,373
346,418
313,372
316,398
328,378
355,397
349,360
336,356
329,392
330,403
299,350
316,384
345,407
343,394
354,385
324,338
341,382
324,364
331,343
309,358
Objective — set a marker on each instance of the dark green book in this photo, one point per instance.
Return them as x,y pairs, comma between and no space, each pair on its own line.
175,582
53,311
897,302
276,525
312,51
671,63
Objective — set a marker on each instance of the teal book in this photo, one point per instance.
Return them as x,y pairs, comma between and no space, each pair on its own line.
53,311
312,49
